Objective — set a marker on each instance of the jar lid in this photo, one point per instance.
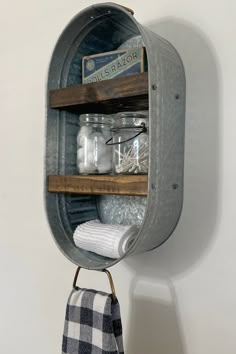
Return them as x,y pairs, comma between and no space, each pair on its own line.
131,119
95,118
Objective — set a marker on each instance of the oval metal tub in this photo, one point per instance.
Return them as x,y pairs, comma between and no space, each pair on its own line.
102,28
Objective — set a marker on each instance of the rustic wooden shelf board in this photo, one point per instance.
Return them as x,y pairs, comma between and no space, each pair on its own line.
108,96
99,184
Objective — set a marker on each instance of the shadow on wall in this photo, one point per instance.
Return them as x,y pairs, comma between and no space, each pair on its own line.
195,231
154,325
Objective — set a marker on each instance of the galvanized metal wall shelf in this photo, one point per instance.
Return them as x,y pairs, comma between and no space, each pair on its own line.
101,28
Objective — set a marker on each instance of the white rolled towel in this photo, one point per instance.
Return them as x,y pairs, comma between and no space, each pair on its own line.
107,240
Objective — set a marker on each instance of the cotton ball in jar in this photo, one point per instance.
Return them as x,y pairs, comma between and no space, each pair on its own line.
104,164
81,167
80,154
81,140
85,131
98,138
87,147
83,134
103,149
85,168
90,158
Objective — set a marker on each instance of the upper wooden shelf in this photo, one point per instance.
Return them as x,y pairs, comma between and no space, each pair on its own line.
99,184
108,96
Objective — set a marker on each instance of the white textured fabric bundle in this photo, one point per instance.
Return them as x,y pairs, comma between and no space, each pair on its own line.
108,240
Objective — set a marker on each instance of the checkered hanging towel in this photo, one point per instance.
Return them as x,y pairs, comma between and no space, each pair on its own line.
92,324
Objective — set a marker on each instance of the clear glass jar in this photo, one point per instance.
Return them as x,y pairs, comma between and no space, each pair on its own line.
93,155
130,143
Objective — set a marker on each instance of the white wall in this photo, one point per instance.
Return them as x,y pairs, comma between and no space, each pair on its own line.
180,298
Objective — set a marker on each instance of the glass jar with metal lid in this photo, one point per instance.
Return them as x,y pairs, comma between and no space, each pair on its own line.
130,143
93,155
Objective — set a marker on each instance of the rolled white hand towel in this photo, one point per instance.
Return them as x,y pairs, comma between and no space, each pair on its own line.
107,240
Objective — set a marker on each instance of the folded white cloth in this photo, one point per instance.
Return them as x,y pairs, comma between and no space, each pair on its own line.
107,240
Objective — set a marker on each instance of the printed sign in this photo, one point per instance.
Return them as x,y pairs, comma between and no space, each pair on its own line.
108,65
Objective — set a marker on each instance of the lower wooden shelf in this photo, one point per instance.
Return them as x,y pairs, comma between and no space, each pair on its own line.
99,184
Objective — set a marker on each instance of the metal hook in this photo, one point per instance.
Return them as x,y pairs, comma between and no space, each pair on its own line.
143,130
75,287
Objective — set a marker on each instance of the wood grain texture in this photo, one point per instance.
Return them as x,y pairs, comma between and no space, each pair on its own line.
108,96
99,184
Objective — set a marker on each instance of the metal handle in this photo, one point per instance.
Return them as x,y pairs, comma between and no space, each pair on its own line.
128,9
75,287
142,126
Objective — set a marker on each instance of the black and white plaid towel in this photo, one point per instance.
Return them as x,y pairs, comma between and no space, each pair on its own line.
92,324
